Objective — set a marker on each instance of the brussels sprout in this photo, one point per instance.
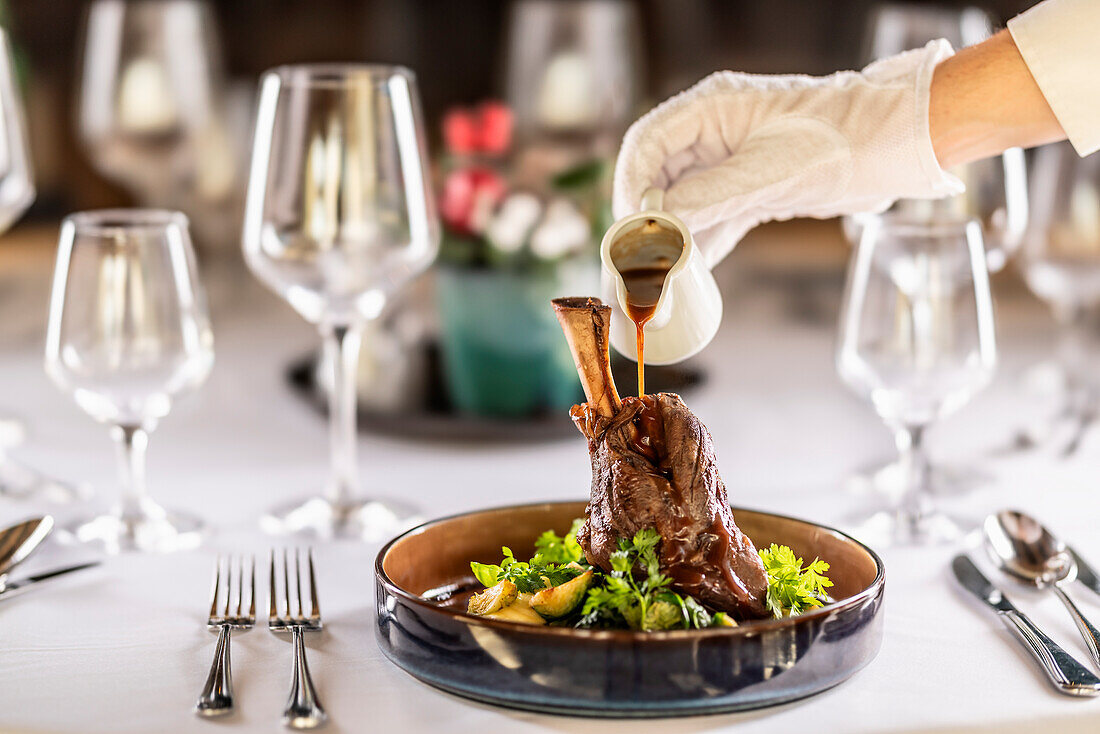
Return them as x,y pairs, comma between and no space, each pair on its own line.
493,599
662,615
562,599
721,619
518,612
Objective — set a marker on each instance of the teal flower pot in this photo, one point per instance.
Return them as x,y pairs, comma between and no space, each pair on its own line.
503,351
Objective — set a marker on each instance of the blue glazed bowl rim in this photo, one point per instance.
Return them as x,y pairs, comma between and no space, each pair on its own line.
744,629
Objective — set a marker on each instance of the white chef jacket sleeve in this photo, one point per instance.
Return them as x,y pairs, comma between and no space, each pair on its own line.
1060,43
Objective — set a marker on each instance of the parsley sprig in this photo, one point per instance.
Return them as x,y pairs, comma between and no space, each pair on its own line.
636,594
792,588
553,548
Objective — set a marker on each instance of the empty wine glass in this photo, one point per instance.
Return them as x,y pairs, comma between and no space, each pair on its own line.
996,188
339,214
16,194
151,101
128,336
917,341
1060,262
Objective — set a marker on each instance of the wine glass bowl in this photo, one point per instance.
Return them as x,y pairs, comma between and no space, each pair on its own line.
1060,259
145,340
128,336
339,211
16,178
916,341
339,214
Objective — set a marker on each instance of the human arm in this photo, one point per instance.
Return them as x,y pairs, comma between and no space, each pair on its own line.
984,100
740,149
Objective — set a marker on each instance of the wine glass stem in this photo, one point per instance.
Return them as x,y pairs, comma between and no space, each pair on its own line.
342,350
915,502
1072,341
131,442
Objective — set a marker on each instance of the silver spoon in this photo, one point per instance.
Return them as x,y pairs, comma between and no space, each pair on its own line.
1025,550
19,541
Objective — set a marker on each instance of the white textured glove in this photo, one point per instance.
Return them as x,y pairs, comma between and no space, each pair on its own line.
737,149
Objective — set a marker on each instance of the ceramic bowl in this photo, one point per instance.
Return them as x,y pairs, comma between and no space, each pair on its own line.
423,580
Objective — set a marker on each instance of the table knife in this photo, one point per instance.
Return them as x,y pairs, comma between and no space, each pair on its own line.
11,588
1068,676
1086,574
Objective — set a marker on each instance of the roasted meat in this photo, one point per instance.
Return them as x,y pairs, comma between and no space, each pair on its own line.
653,466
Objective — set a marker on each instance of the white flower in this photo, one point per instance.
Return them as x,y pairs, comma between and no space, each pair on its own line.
562,230
517,215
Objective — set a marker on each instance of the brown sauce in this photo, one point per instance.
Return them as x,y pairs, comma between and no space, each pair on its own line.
649,439
643,290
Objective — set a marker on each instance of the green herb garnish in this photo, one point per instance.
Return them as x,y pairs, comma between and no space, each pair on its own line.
553,548
557,560
636,595
793,589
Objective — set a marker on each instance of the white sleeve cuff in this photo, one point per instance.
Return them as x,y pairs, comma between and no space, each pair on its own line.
1058,40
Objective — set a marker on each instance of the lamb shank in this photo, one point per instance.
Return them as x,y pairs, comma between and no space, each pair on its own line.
653,466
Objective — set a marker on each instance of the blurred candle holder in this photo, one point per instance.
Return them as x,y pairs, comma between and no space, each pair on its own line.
573,75
152,108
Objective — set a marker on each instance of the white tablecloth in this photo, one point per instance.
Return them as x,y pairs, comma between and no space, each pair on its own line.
124,648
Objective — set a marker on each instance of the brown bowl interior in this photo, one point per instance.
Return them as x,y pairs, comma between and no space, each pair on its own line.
439,554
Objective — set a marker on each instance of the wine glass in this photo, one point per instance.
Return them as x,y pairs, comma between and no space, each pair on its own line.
128,336
17,192
151,101
339,214
996,188
1060,262
917,341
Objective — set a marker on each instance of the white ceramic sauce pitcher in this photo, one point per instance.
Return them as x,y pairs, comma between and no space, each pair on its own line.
689,310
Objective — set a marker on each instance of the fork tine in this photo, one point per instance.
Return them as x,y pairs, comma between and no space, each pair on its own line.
286,583
228,583
252,592
298,579
315,611
240,585
273,609
217,587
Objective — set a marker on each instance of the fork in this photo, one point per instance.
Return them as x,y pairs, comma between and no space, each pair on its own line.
303,708
216,698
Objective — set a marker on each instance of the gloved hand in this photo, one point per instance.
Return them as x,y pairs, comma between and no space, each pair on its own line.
738,149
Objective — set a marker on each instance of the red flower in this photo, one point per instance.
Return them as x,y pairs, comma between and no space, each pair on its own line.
459,131
494,128
469,197
484,129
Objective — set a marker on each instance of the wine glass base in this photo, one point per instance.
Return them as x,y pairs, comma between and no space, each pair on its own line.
945,480
366,519
156,530
19,481
892,529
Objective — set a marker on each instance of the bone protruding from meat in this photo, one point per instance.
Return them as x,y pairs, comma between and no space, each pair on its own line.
586,323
